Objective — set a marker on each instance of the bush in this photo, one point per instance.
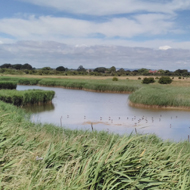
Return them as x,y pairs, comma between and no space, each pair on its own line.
148,80
115,79
165,80
139,78
179,77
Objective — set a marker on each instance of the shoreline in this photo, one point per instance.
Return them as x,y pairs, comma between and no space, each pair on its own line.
85,89
137,105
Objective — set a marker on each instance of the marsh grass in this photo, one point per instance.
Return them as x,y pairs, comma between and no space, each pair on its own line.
28,81
8,85
162,96
20,98
173,95
99,85
85,160
96,85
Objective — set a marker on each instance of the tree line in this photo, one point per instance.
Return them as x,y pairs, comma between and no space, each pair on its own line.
26,68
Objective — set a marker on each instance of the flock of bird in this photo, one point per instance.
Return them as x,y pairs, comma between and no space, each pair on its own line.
136,121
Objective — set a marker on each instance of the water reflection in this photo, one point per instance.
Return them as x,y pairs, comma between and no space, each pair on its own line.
78,109
39,108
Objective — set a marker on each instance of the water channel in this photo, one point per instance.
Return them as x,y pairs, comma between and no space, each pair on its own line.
77,109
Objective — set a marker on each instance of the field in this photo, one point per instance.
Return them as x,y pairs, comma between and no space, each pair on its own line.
34,156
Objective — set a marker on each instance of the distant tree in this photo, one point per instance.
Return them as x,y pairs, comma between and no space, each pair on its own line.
128,72
47,68
168,73
17,66
121,72
100,69
181,72
6,65
143,71
60,68
81,68
26,66
161,71
112,69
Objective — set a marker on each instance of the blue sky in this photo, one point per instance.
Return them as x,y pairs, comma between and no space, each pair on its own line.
96,33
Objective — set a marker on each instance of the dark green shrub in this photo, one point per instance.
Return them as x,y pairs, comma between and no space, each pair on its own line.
139,78
165,80
115,79
148,80
156,78
179,77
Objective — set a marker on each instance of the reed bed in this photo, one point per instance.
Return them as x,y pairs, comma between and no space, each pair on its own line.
162,96
106,85
8,85
35,156
20,98
96,85
150,95
7,78
28,81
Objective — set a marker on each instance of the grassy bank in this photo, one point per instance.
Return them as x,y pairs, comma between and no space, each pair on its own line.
47,157
101,85
162,95
8,85
20,98
95,85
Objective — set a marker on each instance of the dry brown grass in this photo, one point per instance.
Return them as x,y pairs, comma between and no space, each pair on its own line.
176,81
77,77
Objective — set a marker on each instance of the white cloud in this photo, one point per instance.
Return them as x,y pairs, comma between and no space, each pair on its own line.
108,7
58,28
53,54
164,47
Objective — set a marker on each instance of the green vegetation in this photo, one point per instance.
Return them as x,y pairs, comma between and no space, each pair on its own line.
165,80
153,94
8,85
20,98
96,85
115,79
162,96
15,69
28,81
35,156
148,80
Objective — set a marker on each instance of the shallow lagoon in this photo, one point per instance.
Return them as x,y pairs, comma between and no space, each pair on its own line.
77,109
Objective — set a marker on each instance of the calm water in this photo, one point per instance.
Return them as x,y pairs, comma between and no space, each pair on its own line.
77,109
